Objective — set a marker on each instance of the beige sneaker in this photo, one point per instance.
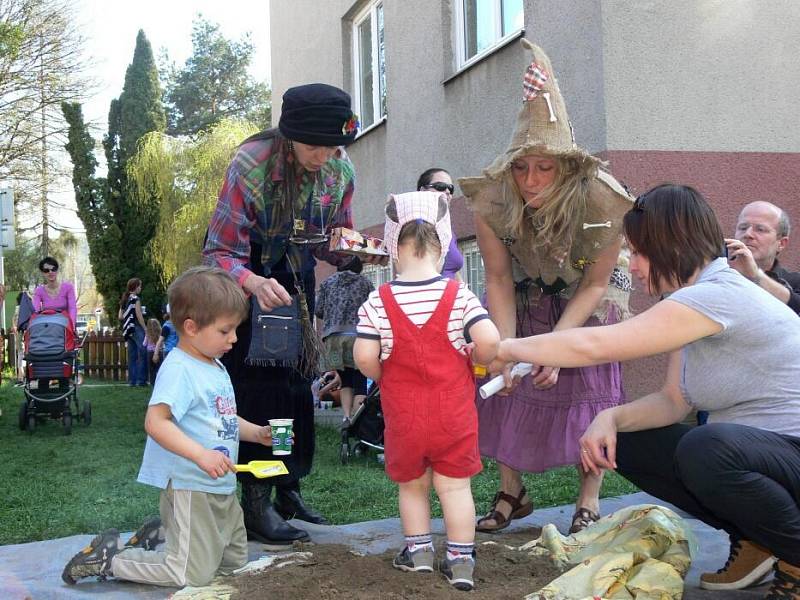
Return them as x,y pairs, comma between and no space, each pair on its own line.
747,564
787,582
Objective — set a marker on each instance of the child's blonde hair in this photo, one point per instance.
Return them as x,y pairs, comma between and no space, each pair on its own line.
153,330
204,294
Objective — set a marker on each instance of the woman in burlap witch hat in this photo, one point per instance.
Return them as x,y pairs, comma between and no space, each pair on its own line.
548,221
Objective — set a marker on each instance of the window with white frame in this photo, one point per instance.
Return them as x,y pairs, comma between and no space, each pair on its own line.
377,274
369,64
484,24
473,272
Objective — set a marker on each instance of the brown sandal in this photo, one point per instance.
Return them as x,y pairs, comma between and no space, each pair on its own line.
582,518
518,510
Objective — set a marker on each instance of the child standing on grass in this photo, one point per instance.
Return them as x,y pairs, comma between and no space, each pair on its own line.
412,339
192,445
151,335
167,340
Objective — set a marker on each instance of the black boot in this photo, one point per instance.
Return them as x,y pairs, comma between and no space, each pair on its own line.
262,521
289,503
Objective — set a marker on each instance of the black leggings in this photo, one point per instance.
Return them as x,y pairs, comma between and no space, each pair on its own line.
352,378
741,479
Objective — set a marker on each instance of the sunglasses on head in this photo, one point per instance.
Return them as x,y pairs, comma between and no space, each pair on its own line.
49,269
441,186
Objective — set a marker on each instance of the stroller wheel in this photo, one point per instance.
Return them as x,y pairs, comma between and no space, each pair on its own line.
87,412
67,420
31,422
23,415
344,453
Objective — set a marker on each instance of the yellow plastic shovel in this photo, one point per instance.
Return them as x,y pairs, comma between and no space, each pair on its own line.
263,468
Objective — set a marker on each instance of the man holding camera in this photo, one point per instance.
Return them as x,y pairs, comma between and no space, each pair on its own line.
762,233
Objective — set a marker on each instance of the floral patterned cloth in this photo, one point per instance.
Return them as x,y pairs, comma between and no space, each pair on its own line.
642,552
338,300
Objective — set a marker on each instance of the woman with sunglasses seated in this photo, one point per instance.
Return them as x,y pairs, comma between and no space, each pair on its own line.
54,294
439,180
734,352
548,222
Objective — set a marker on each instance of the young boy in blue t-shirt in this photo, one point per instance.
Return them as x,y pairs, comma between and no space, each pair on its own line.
192,446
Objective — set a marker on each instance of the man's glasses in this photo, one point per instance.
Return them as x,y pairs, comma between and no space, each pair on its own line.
49,269
757,227
441,186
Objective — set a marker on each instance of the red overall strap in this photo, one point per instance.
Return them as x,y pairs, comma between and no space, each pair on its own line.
438,320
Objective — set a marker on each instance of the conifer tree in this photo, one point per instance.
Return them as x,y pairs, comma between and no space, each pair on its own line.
120,224
135,113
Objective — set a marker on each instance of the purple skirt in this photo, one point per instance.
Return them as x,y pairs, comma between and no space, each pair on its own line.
534,430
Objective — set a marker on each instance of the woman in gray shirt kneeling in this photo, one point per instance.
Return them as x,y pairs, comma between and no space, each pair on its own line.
735,353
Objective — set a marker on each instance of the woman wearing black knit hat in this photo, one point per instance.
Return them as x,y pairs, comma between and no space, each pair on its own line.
284,190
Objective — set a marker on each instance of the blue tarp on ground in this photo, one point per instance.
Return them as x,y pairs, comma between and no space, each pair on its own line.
34,570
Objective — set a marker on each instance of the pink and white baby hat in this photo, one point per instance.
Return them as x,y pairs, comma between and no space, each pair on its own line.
432,207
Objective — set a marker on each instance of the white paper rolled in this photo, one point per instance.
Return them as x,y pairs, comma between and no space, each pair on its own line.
496,384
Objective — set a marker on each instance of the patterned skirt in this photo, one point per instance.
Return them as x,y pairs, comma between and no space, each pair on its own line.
534,430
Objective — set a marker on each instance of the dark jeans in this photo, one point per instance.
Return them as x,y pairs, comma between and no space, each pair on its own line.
152,368
137,358
741,479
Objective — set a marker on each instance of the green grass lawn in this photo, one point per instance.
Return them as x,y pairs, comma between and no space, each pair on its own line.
56,485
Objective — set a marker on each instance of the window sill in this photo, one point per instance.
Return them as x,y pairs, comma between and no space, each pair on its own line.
375,125
479,58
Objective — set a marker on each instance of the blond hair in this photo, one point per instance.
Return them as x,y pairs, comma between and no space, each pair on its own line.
204,294
563,205
153,330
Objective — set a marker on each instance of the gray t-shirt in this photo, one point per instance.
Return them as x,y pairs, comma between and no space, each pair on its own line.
749,373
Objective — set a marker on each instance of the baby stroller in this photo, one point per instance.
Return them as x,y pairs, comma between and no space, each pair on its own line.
51,372
366,428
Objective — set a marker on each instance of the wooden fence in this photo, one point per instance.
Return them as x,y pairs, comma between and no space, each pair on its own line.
104,355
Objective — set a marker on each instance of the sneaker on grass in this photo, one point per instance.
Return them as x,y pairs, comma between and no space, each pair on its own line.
148,536
458,572
419,561
95,559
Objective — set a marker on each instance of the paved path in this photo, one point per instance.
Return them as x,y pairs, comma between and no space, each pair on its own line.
34,570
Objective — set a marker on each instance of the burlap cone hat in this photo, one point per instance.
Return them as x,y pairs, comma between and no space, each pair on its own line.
543,125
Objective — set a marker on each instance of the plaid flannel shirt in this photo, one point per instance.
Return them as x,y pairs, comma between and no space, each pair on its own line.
248,210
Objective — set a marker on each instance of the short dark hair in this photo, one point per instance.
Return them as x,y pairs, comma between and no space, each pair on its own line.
676,229
48,260
204,294
427,175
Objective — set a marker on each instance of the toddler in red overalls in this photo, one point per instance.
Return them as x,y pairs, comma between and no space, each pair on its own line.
412,339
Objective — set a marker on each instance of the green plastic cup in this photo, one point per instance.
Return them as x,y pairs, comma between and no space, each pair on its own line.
281,436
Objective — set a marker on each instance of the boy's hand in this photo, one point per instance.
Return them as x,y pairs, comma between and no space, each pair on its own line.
215,463
264,435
